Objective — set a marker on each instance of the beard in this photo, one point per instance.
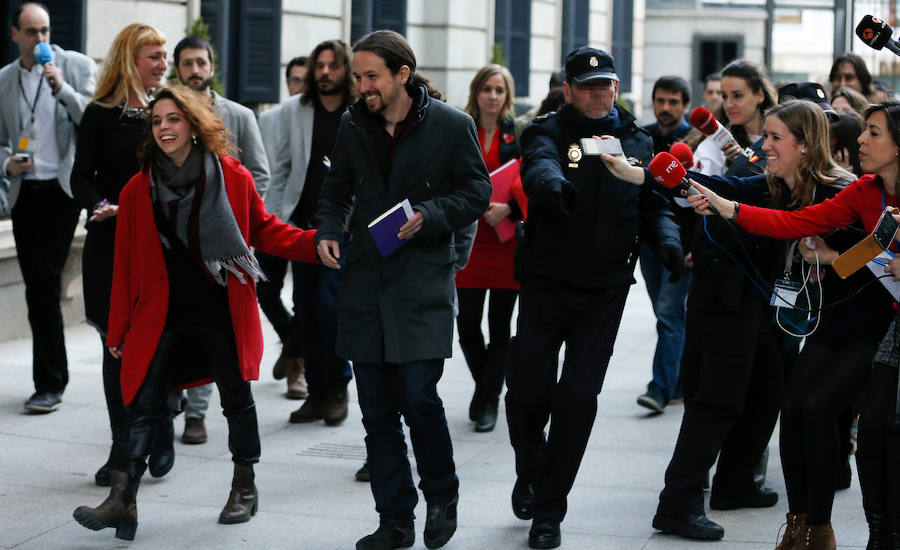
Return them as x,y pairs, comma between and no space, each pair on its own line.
336,88
198,85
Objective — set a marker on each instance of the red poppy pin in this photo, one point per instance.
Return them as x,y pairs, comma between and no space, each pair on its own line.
508,138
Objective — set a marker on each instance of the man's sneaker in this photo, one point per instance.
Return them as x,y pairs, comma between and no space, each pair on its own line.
654,399
43,402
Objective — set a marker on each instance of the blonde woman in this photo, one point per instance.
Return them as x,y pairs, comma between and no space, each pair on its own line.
109,135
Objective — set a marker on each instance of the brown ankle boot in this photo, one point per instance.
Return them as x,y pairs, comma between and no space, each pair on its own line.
794,525
296,379
119,510
816,537
243,500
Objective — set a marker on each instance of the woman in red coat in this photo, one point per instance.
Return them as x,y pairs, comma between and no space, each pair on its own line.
491,262
183,306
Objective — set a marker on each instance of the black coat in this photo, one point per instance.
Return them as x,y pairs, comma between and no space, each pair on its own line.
584,226
400,309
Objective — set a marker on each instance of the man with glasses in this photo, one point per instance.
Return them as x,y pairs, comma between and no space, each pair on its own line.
576,262
44,104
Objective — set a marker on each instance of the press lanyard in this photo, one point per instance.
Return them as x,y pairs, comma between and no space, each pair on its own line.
37,95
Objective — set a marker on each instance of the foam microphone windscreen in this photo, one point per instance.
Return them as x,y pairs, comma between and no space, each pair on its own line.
683,153
874,32
666,170
702,119
43,53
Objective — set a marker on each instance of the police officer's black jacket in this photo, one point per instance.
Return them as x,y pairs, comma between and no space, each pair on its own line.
584,226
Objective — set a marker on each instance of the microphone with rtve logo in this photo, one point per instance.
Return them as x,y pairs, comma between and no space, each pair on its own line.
668,171
877,34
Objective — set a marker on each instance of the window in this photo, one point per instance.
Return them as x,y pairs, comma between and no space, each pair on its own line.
512,31
711,54
67,25
247,37
370,15
622,38
575,21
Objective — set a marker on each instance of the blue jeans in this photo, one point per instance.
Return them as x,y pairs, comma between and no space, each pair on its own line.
385,392
668,301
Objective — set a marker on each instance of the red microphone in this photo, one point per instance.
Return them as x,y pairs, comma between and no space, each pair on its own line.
702,119
666,170
683,153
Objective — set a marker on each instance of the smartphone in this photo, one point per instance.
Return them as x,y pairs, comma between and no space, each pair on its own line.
885,230
22,156
597,146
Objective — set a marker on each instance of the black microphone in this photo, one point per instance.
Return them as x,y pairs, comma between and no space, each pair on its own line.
877,34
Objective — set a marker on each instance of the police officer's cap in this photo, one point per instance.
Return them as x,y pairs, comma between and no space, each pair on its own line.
810,91
586,63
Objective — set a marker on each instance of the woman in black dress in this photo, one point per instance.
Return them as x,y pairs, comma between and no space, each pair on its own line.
110,133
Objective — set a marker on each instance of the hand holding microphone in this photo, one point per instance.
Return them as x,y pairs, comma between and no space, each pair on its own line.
702,119
666,170
43,54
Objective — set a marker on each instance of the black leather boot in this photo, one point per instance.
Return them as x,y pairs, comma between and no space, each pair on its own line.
162,455
244,498
119,510
475,354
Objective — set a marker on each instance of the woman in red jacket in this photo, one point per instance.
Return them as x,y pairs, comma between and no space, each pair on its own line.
183,306
834,373
491,262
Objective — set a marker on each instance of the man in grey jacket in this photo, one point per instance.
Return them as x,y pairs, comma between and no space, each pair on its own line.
43,105
195,68
395,312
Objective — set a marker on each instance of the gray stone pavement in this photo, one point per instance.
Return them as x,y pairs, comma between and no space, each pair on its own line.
308,497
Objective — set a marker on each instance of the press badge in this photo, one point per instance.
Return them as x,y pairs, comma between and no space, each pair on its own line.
785,294
27,144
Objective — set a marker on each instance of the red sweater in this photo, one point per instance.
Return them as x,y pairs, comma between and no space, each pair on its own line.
491,262
140,291
861,200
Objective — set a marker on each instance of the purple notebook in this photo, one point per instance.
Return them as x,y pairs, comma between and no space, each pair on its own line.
385,227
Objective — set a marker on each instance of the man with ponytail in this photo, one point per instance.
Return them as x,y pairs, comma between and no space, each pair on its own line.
395,313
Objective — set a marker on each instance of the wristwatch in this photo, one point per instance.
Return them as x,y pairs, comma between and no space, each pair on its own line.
737,208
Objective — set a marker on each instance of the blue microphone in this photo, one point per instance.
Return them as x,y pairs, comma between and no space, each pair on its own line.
42,53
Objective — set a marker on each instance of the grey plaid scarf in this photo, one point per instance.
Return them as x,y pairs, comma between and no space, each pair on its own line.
193,199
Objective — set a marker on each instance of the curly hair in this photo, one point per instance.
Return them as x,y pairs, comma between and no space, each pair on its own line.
212,135
119,77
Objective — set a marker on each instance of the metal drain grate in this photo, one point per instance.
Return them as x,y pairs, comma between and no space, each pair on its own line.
336,450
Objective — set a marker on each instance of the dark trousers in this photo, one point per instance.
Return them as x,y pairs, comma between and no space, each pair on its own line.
878,457
386,392
821,384
97,270
214,349
43,221
486,363
733,384
551,313
268,293
315,325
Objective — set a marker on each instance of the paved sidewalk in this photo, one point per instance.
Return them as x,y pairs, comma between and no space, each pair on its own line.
308,497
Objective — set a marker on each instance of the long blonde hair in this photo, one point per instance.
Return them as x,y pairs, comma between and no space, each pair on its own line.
477,83
119,78
807,122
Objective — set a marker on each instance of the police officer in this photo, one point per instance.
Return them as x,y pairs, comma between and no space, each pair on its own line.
576,263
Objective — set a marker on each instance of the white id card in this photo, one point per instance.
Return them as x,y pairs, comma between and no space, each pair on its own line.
606,144
785,295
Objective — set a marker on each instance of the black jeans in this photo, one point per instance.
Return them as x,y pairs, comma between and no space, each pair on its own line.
551,313
43,222
733,383
268,293
486,363
215,348
878,457
385,392
821,385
